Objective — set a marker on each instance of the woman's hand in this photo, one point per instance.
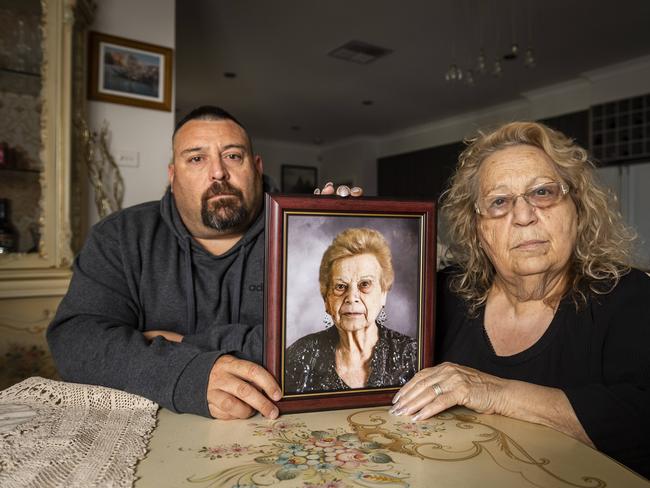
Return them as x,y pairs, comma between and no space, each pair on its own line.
484,393
170,336
342,190
456,385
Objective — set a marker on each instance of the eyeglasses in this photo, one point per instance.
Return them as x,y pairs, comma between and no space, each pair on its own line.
541,196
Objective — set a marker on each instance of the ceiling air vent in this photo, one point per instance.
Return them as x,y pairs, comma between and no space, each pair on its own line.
359,52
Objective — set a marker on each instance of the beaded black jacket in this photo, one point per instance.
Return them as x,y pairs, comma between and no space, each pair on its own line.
310,362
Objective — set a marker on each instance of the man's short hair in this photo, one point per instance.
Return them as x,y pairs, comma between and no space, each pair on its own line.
209,112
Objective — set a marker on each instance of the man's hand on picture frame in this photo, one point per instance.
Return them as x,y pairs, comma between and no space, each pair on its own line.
238,388
341,190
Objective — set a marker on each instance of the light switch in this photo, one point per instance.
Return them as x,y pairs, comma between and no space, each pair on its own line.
128,158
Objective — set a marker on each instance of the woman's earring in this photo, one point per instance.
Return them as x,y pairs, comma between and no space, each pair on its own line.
327,320
382,317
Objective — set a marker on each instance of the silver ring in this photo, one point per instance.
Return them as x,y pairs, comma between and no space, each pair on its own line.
343,191
437,389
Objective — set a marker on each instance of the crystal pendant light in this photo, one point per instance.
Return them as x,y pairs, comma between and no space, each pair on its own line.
529,58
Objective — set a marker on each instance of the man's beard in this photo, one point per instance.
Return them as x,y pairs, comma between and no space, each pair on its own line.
224,213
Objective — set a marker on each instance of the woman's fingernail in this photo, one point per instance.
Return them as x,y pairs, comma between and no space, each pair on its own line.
416,417
274,414
329,183
317,191
356,191
395,398
343,191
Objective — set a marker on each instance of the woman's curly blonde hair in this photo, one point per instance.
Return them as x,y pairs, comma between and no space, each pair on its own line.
603,248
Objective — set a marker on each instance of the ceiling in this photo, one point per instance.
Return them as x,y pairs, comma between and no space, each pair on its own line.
288,88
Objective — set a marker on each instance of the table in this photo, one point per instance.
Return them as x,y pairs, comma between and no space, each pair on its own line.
372,448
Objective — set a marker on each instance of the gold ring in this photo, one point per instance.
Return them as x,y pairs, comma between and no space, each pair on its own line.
437,389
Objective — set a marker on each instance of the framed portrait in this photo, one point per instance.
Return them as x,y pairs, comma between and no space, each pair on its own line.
130,72
350,298
299,179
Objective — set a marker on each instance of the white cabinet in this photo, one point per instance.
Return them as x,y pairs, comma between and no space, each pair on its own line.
42,70
631,183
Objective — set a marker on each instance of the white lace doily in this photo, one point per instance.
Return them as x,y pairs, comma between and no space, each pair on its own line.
64,434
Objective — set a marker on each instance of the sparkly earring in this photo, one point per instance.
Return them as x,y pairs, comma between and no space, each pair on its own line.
327,320
382,317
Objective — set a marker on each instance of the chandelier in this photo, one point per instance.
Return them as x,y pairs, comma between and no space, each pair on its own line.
479,66
455,73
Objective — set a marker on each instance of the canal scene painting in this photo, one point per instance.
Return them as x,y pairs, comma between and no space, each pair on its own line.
130,72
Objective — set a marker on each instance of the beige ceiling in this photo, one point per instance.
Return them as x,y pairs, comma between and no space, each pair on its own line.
278,49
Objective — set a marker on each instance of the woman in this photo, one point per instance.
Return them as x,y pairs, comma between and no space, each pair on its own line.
542,319
356,273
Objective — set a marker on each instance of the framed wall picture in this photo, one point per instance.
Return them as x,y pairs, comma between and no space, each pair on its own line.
299,179
347,278
130,72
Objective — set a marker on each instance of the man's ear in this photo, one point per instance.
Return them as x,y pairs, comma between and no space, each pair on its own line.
259,164
170,173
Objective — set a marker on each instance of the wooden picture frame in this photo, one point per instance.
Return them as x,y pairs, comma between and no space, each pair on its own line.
299,179
129,72
298,230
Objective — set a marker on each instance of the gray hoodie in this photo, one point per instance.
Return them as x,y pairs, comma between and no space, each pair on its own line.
141,270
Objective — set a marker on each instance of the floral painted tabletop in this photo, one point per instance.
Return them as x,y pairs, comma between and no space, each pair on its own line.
371,448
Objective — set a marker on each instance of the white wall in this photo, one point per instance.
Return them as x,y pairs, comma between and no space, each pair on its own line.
351,161
276,153
146,131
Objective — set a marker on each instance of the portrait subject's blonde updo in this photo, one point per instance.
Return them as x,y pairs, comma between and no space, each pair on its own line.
352,242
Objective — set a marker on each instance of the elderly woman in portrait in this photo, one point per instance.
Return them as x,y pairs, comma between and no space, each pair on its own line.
356,274
542,318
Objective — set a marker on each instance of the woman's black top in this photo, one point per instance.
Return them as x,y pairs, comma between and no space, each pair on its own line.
599,356
310,363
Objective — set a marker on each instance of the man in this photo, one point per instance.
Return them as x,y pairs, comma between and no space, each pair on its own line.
166,298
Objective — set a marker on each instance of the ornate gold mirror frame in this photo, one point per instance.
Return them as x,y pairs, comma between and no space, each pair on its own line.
32,283
63,27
